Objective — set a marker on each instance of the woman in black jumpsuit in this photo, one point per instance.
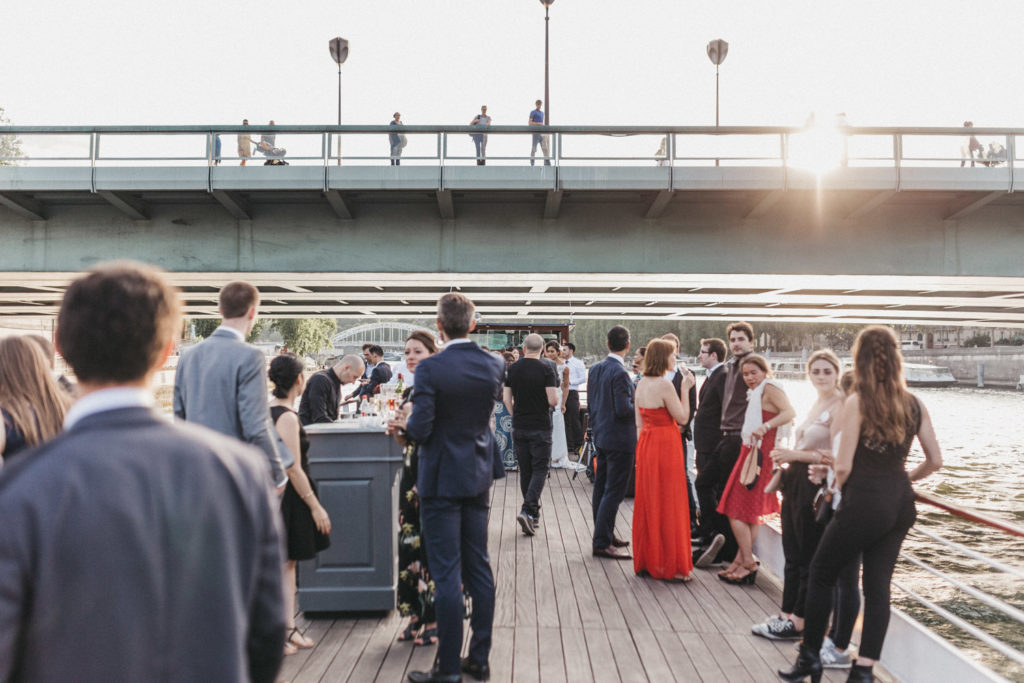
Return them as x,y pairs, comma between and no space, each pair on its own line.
879,423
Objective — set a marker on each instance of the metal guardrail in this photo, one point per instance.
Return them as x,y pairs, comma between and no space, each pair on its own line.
682,145
1009,611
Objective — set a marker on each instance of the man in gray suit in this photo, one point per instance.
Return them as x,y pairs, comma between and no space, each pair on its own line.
222,382
131,548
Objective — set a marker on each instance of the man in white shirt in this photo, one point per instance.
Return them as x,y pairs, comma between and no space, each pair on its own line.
577,378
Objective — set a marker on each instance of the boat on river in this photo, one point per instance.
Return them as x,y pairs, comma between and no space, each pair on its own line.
922,375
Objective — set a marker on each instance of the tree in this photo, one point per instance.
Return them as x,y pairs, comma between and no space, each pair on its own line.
204,327
307,335
10,145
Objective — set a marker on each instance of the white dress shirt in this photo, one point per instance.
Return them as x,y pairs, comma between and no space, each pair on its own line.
578,372
108,399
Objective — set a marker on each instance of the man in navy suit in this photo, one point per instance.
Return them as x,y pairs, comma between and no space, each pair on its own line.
613,420
131,548
451,415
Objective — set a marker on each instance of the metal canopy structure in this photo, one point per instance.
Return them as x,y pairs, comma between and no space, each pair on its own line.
836,299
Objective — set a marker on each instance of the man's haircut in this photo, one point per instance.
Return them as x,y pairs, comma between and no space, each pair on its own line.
236,298
715,346
375,350
572,347
116,321
668,336
455,313
743,327
367,346
618,338
533,343
656,360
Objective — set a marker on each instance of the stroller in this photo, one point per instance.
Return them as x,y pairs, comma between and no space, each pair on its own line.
275,155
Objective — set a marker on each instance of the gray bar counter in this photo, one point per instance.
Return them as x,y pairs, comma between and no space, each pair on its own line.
356,472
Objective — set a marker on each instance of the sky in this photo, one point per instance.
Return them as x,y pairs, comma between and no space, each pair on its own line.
639,62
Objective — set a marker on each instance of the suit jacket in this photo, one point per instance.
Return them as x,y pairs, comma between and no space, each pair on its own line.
610,405
707,423
677,382
222,384
134,549
379,375
451,420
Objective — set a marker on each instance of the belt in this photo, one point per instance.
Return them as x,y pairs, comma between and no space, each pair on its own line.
735,432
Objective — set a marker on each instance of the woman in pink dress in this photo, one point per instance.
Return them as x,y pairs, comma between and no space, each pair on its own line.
747,505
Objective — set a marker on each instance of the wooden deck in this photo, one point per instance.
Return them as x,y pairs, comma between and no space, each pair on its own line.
563,615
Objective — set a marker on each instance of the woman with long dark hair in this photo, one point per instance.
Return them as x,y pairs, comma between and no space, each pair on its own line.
880,420
745,502
415,587
33,405
306,522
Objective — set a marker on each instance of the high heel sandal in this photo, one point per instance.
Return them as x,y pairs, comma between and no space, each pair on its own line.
731,569
428,637
303,643
410,632
747,579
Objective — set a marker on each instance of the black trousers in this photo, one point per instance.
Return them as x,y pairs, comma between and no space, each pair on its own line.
873,518
800,537
845,605
613,470
573,421
533,449
712,475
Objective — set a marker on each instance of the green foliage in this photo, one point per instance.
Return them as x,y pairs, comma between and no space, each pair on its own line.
204,327
307,335
10,145
978,340
1011,341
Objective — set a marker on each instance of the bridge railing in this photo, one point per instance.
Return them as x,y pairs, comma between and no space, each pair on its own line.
815,147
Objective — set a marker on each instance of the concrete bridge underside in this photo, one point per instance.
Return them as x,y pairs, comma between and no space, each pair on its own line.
953,254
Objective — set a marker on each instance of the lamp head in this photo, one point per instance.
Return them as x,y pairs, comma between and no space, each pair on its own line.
717,50
547,3
339,50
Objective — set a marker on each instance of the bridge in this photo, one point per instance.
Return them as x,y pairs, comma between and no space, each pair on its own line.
766,223
390,336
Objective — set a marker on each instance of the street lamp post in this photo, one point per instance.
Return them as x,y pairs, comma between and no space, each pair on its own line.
547,104
717,50
339,53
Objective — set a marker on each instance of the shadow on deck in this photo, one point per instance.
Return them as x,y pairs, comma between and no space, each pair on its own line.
563,615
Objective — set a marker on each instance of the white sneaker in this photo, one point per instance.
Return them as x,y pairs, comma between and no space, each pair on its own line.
831,658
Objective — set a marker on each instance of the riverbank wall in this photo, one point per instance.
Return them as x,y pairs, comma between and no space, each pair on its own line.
999,366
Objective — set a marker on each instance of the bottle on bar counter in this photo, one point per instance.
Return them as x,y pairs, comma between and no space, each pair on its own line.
400,386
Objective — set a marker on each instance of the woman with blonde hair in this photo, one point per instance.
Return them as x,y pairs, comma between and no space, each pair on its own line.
744,500
661,516
880,420
33,405
800,530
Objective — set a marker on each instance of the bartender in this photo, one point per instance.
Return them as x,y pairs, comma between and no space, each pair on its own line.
322,396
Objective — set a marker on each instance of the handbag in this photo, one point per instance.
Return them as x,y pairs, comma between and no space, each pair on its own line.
775,483
751,468
823,505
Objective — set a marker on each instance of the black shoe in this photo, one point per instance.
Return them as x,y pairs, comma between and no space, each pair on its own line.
699,542
619,543
434,676
526,522
807,664
481,672
707,556
860,674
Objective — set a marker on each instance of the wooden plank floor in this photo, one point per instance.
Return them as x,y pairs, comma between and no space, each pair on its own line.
563,615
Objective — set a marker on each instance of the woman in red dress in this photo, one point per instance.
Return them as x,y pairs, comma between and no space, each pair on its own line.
661,516
747,505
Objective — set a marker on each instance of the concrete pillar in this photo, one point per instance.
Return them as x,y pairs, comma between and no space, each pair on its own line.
981,374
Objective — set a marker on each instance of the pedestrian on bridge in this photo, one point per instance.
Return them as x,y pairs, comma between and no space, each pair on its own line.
244,144
480,139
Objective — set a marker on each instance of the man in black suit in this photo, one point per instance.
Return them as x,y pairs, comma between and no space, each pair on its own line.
706,434
613,421
131,548
377,372
451,415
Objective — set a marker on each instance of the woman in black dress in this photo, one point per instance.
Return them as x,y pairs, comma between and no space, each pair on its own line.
415,587
879,422
306,522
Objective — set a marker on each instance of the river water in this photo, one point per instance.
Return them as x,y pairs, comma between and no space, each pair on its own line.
983,469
